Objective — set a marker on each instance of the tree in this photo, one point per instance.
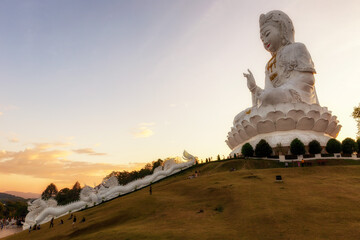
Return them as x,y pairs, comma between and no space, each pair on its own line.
247,150
144,172
349,146
156,164
2,210
148,166
218,157
21,209
123,177
358,143
76,186
66,195
62,197
314,147
75,192
263,149
356,116
333,146
49,192
297,147
13,209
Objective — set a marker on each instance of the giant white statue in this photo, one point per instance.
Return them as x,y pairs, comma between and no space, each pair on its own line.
287,107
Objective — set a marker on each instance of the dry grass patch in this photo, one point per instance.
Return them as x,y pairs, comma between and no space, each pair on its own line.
311,203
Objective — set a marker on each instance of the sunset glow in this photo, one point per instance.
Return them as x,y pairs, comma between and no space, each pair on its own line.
88,87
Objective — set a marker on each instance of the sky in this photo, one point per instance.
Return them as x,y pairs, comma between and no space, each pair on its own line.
88,87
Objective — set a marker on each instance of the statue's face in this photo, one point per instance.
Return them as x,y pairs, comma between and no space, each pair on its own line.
271,38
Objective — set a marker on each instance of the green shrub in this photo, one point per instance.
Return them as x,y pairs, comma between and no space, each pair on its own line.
263,149
349,146
333,146
358,143
297,147
314,147
247,150
219,208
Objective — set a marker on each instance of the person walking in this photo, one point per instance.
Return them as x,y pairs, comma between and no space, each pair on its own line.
51,223
74,221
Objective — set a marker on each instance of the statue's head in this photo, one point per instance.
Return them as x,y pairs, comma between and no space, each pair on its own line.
276,30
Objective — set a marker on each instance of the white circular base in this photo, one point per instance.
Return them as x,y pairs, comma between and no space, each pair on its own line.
285,138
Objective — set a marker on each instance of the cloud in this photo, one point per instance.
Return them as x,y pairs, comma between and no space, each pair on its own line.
42,163
43,146
143,130
88,151
54,165
13,139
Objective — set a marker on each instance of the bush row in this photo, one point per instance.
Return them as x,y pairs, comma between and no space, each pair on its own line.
263,149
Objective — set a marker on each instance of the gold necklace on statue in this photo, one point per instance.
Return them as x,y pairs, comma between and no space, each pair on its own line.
271,63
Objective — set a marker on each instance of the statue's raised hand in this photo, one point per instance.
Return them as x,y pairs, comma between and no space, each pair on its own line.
250,80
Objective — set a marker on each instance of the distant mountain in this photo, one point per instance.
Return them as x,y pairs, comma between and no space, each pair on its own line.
8,197
26,195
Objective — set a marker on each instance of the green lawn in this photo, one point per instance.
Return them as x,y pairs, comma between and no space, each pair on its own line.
319,202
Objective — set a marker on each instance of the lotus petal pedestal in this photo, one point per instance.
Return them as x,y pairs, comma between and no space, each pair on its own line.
282,123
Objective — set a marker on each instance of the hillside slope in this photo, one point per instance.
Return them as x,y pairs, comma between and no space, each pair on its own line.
4,197
25,195
319,202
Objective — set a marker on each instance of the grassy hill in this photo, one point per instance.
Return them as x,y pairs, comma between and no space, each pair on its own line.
318,202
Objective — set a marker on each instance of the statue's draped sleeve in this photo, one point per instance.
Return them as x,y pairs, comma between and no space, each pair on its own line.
296,57
255,96
295,60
